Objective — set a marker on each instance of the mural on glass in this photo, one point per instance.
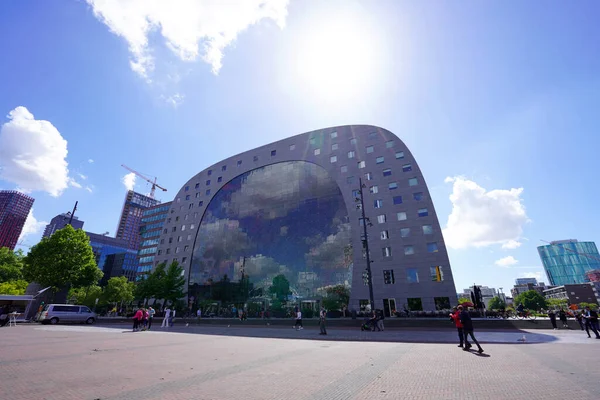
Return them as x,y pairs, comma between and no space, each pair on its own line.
285,219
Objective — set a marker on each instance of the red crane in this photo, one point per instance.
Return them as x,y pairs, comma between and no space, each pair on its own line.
153,182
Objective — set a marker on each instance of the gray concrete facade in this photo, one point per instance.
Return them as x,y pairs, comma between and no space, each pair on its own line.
394,172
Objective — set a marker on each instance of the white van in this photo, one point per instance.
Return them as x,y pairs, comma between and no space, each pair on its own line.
66,313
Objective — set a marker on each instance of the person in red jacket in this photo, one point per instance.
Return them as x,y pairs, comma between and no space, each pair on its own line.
455,316
139,315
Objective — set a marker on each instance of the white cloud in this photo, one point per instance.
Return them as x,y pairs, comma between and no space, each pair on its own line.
74,183
536,275
90,161
190,28
89,189
32,226
129,180
482,218
175,100
33,154
506,261
82,176
511,245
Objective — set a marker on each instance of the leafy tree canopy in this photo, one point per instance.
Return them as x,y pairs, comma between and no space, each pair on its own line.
15,288
118,289
497,304
11,264
463,300
172,284
86,296
65,258
280,287
531,300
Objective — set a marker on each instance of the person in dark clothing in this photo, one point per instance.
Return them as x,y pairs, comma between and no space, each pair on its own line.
455,316
467,323
322,316
552,316
562,315
591,322
579,318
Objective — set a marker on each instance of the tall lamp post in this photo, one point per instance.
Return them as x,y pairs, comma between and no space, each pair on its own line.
365,242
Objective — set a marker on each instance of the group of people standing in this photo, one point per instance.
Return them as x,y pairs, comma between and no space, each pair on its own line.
464,326
587,319
142,319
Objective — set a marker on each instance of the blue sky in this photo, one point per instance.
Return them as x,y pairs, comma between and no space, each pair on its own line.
502,95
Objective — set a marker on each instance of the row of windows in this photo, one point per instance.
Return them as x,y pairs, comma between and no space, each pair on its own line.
179,239
436,274
150,242
148,259
153,218
378,203
149,250
432,247
152,226
174,228
400,216
177,249
150,234
153,211
405,232
391,186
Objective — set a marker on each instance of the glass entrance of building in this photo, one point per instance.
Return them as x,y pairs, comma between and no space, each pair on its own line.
389,307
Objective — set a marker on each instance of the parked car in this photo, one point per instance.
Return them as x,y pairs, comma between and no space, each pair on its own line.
67,313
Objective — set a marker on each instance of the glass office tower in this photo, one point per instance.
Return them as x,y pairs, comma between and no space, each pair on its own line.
568,261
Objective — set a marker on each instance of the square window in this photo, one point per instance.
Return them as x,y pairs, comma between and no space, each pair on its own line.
317,152
379,160
353,141
333,159
406,168
273,153
186,247
385,235
418,196
255,158
351,154
350,179
412,276
187,188
292,147
409,250
189,237
372,135
196,214
183,260
168,251
239,163
220,179
312,141
397,199
176,219
414,304
374,189
170,240
182,228
387,172
393,185
389,144
344,168
437,275
187,196
378,203
401,216
174,229
388,277
159,252
370,149
432,247
422,212
165,230
197,186
368,176
197,194
224,168
356,194
200,204
427,230
333,134
381,219
334,147
192,226
162,241
176,250
208,182
413,182
209,173
441,303
361,164
191,206
186,217
399,155
405,232
386,251
208,192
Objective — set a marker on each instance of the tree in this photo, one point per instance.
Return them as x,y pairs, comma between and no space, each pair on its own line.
118,289
14,288
532,300
280,287
172,284
86,296
557,303
11,265
464,300
151,285
65,258
496,304
336,297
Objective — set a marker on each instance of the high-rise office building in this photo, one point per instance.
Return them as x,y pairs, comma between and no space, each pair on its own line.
131,217
568,261
103,246
14,209
525,281
59,222
153,219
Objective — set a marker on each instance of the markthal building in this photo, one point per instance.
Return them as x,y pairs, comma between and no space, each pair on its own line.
282,224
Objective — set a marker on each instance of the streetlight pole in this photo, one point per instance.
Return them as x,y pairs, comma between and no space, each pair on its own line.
365,242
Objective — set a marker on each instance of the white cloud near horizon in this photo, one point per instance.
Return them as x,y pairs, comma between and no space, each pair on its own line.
537,275
33,154
129,180
32,226
481,218
90,161
191,29
506,261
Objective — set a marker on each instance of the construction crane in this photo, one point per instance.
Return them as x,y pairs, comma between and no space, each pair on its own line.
153,182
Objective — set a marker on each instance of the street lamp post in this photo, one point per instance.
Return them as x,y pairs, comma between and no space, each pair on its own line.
365,242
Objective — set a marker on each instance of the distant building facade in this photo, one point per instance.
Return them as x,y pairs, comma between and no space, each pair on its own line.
14,209
131,217
153,219
103,246
593,275
568,261
59,222
574,294
526,281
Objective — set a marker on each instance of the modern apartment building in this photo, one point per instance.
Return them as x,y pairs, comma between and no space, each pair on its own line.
14,209
131,217
526,281
568,261
59,222
292,208
104,246
153,219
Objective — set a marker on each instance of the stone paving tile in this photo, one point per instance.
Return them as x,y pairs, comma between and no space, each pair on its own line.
80,363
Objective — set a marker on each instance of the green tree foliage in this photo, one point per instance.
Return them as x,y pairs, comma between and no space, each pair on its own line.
65,258
336,297
280,287
151,285
463,300
15,288
172,284
557,303
118,289
497,304
11,265
531,300
87,296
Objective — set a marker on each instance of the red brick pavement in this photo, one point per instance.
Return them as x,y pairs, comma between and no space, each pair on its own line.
80,363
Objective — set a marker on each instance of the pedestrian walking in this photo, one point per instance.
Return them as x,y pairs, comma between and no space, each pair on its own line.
579,319
199,314
467,323
137,318
165,323
562,315
172,319
298,324
455,316
591,322
380,319
552,316
322,316
145,316
151,312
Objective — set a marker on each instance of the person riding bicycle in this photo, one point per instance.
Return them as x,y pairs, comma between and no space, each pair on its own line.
521,308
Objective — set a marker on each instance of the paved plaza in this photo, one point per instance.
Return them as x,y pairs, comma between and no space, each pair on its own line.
111,363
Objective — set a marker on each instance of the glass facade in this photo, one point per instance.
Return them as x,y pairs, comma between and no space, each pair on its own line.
567,262
285,219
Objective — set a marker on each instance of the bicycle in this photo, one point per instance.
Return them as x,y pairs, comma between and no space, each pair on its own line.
527,314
